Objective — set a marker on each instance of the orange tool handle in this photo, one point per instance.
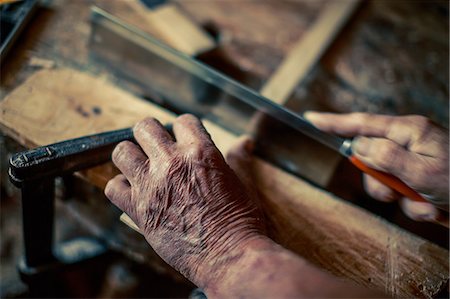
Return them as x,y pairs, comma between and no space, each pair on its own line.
388,179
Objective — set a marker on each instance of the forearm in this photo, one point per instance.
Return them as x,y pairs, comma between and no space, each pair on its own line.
266,270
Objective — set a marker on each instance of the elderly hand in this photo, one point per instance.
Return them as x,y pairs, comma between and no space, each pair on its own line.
189,204
200,218
410,147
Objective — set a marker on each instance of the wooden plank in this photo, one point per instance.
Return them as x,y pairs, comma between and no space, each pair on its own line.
308,50
54,105
174,27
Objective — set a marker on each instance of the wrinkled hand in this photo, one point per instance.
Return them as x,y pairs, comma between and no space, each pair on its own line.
191,207
410,147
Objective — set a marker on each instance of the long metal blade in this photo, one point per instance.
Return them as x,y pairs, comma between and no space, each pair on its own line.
188,85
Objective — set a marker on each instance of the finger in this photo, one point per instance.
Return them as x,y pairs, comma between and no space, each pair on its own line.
379,191
407,131
129,158
442,202
386,155
419,211
153,137
351,124
240,157
118,191
189,131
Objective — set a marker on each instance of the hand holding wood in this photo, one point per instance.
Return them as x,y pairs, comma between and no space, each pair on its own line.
188,203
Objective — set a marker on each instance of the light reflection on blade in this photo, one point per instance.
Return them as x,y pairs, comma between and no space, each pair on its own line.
190,86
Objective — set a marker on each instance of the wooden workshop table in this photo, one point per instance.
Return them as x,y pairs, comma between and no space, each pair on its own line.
361,72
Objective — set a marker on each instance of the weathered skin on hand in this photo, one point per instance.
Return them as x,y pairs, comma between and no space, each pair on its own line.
200,218
192,208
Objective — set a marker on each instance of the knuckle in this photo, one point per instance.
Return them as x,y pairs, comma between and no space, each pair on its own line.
187,118
387,155
120,150
204,153
420,123
195,149
212,156
144,125
125,145
109,189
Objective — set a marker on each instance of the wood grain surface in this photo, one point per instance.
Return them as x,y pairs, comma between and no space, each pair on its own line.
174,27
54,105
391,58
306,53
373,66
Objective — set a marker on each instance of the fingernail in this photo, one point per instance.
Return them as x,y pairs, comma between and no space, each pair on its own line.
361,146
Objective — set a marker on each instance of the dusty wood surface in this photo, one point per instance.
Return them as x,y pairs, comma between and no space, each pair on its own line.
55,105
174,27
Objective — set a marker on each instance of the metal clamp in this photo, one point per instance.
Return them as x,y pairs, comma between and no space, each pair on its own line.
34,172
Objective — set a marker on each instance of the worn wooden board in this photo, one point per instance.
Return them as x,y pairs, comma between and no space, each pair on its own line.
308,50
408,40
174,27
54,105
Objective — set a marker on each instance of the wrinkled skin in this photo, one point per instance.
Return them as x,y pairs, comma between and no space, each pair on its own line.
204,221
412,148
189,204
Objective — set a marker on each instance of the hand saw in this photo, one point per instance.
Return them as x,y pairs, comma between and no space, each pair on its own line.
192,86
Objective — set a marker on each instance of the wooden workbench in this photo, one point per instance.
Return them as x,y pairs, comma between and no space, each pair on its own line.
389,59
347,79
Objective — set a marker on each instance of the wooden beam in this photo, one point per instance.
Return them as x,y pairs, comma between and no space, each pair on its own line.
55,105
308,50
175,27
